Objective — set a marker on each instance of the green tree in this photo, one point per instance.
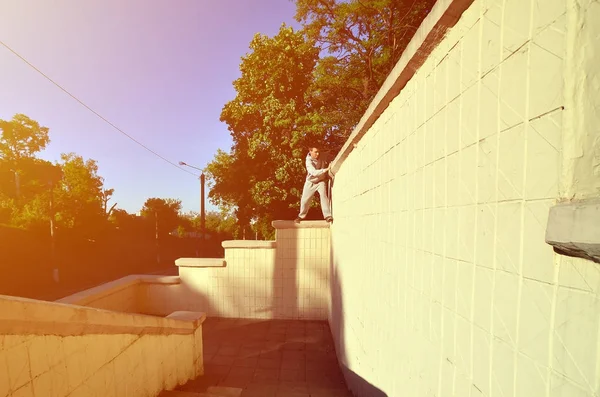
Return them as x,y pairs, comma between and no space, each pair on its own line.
288,98
21,137
79,195
121,218
222,224
163,214
271,121
30,208
106,197
364,40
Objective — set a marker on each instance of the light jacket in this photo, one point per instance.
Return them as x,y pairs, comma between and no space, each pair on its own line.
316,170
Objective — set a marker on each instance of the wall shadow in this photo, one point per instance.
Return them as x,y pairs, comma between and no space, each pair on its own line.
285,278
195,300
359,386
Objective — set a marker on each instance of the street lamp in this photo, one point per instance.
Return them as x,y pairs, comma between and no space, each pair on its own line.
202,213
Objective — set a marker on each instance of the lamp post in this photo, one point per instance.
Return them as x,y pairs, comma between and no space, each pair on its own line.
202,211
52,181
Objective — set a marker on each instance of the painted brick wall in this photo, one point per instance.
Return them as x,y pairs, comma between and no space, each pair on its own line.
290,281
442,283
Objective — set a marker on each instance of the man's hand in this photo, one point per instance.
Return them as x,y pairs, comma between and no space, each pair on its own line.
329,172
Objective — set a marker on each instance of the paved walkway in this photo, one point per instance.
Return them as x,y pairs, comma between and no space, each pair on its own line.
270,358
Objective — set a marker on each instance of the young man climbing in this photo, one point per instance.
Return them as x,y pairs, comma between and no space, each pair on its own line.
316,179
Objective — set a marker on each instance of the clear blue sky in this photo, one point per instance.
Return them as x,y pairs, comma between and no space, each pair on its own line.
160,70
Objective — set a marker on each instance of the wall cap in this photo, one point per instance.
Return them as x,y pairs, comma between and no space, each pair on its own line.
89,295
200,262
22,316
249,244
196,318
302,225
574,229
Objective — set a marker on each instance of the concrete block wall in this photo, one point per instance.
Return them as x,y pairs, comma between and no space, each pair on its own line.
283,279
57,349
94,365
303,258
141,294
240,289
442,283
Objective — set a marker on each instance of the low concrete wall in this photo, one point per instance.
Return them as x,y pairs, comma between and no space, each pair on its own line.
52,349
285,279
142,294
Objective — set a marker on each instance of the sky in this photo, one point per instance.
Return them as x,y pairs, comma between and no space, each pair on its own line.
159,70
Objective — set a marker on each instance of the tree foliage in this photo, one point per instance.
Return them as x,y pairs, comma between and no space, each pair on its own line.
288,97
79,195
270,120
363,41
219,225
32,191
163,213
21,137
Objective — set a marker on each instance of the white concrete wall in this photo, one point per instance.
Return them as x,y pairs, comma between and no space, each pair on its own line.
50,349
285,280
580,170
442,283
93,365
303,257
142,294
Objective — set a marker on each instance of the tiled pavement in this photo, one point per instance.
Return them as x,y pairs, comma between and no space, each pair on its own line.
270,358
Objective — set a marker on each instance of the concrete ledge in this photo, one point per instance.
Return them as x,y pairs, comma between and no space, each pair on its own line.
248,244
302,225
196,318
90,295
574,229
200,262
443,15
21,316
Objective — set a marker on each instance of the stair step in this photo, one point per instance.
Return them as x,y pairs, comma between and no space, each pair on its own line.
212,391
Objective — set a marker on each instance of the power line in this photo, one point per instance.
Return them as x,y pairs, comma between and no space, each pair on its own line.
92,110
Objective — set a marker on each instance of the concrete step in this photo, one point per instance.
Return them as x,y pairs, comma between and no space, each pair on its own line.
213,391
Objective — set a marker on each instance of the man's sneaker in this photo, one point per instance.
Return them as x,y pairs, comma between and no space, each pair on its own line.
329,219
298,220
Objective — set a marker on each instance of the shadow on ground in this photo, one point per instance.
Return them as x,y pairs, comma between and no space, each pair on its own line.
270,358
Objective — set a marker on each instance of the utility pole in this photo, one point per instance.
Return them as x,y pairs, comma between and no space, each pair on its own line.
202,210
202,217
157,244
52,238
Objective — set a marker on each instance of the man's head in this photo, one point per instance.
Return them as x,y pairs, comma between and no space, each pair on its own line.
314,152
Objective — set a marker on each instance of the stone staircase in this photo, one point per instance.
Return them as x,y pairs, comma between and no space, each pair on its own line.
214,391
